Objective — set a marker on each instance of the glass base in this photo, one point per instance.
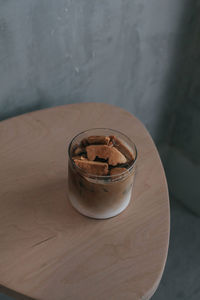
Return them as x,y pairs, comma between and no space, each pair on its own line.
105,215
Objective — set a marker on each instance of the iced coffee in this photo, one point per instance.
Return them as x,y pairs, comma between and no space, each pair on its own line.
101,172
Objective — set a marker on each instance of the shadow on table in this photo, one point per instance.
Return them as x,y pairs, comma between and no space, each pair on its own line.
43,205
12,294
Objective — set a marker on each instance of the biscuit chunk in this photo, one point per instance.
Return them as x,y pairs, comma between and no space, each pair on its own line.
98,139
111,154
121,147
92,167
117,171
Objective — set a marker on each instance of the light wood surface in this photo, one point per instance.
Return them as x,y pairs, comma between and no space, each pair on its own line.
49,251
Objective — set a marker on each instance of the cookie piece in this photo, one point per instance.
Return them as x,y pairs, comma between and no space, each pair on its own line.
103,151
121,147
79,157
92,167
98,139
117,171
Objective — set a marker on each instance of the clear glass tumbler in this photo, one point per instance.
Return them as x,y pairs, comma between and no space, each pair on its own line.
97,196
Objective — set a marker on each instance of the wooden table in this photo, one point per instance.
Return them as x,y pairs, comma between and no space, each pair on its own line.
48,251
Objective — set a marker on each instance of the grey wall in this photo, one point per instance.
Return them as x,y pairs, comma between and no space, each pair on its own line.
183,161
66,51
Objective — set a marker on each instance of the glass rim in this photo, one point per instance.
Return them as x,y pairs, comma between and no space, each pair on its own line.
103,177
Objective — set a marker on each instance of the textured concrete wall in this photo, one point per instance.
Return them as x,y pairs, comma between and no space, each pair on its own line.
186,125
183,164
65,51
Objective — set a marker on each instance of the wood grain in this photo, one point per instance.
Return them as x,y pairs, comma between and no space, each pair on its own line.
49,251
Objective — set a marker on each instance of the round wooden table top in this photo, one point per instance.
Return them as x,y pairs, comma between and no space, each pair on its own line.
48,250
